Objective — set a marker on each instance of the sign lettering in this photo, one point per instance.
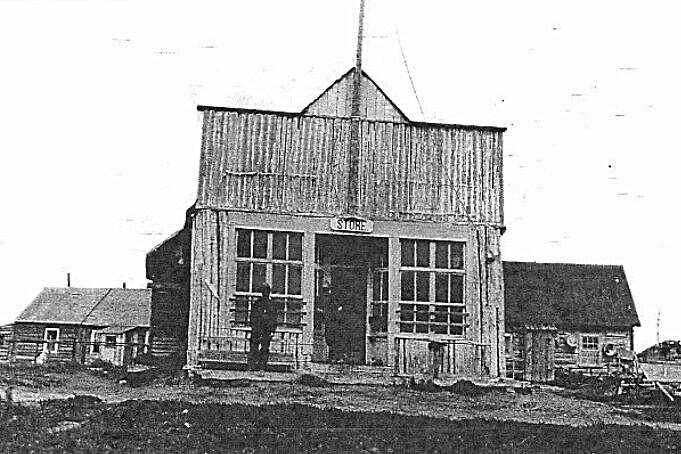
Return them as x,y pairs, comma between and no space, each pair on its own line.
351,224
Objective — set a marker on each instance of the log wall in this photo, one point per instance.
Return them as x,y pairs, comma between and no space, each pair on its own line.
568,358
29,339
565,357
169,319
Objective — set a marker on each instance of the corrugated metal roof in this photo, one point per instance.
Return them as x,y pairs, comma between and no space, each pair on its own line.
90,306
567,295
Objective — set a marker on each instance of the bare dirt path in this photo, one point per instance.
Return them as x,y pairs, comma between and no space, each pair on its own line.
549,406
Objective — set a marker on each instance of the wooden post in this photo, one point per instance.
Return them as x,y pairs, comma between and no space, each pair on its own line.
353,171
308,290
393,297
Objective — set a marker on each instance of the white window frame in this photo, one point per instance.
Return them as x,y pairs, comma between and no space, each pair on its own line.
108,344
432,271
270,262
51,346
584,337
94,342
590,357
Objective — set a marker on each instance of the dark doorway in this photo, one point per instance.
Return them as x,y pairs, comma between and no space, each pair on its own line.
344,263
346,326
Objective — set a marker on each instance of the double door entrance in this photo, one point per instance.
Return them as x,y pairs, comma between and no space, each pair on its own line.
345,266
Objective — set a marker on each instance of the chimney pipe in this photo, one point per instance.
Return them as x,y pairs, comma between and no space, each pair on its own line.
123,284
68,279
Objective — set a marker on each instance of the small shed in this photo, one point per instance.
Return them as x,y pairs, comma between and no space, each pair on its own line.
71,324
566,316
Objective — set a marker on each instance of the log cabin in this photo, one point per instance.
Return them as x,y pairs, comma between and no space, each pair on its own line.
572,317
356,216
83,324
6,334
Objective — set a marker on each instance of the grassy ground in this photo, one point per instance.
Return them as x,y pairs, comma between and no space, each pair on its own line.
162,426
170,416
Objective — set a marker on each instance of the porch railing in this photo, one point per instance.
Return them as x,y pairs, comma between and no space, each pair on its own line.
233,342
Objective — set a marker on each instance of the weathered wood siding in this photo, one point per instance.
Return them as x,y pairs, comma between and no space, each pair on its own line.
422,357
336,101
526,348
568,358
480,353
278,163
169,319
29,339
6,335
168,269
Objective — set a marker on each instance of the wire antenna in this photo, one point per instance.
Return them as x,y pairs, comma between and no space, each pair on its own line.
411,80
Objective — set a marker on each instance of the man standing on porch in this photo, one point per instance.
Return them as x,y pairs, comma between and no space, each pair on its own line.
263,324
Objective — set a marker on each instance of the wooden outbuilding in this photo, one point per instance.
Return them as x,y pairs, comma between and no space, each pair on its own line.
82,324
6,335
574,317
358,218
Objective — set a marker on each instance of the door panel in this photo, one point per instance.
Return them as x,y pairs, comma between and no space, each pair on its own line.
346,324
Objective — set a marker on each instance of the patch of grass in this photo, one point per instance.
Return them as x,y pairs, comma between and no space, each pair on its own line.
157,426
313,381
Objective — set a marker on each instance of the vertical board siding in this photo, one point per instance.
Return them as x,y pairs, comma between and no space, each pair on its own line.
278,163
336,101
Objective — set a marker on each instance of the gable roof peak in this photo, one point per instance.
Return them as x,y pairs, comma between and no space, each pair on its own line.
336,100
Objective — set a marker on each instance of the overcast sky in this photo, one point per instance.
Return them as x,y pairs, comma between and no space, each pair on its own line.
99,134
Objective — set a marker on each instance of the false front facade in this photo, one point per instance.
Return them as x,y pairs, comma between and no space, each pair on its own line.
378,235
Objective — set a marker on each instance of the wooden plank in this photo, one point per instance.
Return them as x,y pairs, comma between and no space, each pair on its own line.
664,391
268,163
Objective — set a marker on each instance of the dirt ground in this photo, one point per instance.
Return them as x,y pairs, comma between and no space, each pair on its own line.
53,413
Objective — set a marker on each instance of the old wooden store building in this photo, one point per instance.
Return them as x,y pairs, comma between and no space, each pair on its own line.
347,209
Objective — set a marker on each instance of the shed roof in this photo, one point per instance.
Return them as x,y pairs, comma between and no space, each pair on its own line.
567,295
90,306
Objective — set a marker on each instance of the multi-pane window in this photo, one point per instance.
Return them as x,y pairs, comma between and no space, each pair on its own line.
272,257
378,320
590,342
589,353
432,287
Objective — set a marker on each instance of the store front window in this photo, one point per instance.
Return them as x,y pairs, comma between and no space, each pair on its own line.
432,281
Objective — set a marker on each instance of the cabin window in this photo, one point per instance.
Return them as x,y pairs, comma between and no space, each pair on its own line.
589,342
94,345
432,287
110,341
589,354
378,320
51,344
273,257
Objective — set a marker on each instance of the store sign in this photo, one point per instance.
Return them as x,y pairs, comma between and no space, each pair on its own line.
352,224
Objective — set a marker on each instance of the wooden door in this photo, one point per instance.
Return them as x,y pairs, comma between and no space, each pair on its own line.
346,325
539,356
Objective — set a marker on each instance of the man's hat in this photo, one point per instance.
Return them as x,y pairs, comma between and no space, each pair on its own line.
262,288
